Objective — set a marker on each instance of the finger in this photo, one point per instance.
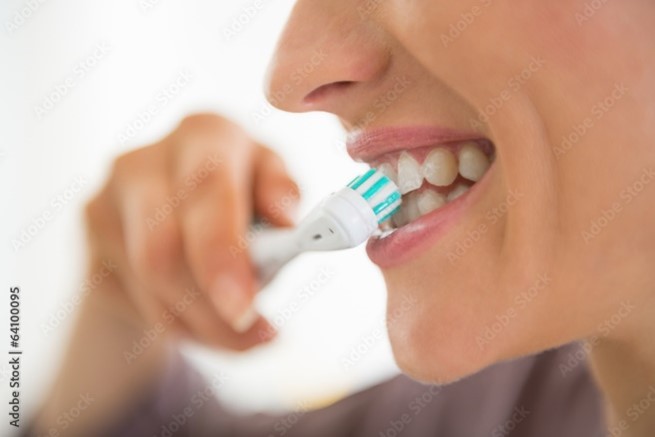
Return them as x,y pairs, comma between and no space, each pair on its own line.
216,167
276,194
162,284
149,242
106,241
207,327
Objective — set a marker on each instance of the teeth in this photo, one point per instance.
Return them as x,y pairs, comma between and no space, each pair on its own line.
430,200
386,226
399,219
388,170
409,174
410,206
457,191
473,163
440,168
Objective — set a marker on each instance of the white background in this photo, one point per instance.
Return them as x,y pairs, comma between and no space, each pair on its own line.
150,45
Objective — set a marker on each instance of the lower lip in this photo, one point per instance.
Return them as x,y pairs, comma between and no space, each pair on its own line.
409,241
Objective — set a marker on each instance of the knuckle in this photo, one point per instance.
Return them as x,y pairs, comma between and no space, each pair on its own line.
134,162
207,174
159,251
210,133
93,211
123,166
204,121
97,214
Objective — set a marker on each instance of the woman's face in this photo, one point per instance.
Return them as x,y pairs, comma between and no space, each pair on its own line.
556,239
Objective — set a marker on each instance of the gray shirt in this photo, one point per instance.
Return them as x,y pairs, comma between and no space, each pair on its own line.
548,395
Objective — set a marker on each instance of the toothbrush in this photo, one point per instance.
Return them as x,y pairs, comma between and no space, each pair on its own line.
343,220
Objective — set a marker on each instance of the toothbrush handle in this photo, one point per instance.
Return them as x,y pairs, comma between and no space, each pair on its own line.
271,249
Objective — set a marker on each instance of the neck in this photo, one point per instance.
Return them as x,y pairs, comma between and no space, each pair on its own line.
624,366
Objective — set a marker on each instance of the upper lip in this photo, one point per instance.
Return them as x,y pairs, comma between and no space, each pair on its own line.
367,145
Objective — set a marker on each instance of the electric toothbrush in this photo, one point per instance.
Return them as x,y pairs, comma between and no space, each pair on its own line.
343,220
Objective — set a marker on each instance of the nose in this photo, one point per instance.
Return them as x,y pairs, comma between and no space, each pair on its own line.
326,55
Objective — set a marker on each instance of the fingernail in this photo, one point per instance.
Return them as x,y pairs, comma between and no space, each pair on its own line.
246,320
232,303
291,210
287,207
267,334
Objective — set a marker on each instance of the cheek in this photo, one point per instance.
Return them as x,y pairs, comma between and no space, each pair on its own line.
479,295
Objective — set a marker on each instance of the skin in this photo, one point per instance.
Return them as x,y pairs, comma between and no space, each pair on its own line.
584,285
592,284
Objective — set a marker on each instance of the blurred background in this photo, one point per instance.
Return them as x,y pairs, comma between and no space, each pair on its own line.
83,81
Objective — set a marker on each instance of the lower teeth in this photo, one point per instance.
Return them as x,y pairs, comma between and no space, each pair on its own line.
417,204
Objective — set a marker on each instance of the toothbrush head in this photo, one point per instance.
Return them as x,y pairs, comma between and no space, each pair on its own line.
380,192
352,215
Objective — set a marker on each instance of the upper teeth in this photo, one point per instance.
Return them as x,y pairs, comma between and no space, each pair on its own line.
473,163
440,168
409,174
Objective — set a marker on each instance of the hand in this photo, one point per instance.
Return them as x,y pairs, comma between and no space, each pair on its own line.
174,217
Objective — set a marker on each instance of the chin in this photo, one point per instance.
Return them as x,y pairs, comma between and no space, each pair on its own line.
435,345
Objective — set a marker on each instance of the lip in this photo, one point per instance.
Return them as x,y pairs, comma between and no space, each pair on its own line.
410,240
366,145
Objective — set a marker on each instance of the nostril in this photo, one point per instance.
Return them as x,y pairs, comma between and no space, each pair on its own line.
322,92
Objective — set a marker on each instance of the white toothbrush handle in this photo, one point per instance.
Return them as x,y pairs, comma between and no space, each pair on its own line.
271,249
342,221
